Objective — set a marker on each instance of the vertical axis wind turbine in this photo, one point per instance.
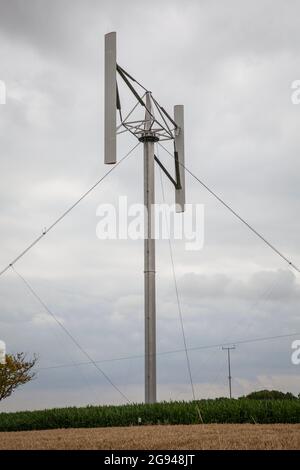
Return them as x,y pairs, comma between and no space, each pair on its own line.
148,129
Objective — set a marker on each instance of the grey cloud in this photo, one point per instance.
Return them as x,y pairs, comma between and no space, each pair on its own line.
280,284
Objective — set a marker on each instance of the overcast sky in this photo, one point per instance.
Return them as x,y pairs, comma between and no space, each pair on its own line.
232,65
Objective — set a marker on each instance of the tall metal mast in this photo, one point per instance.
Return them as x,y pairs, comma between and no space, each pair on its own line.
148,138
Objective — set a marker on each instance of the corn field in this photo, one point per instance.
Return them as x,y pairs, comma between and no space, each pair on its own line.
203,411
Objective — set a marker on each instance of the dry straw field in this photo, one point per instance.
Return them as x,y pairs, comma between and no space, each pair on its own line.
203,436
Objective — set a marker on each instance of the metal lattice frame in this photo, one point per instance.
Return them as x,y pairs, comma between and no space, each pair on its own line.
164,127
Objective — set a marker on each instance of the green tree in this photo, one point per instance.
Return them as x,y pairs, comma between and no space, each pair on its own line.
16,371
270,395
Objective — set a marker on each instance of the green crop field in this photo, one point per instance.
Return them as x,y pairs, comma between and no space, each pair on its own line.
203,411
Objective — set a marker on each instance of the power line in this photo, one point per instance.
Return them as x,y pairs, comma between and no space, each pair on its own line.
270,245
176,351
47,309
45,231
178,300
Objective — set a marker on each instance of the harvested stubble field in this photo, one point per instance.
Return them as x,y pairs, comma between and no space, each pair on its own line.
199,436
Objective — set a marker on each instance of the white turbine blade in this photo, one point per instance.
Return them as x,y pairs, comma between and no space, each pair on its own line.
179,144
110,98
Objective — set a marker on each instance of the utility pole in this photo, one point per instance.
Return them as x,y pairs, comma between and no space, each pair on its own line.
148,138
229,367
